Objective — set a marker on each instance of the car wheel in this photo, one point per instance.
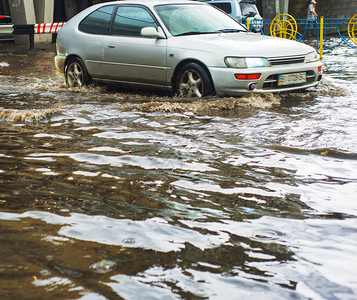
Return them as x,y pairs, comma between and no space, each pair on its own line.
76,73
193,81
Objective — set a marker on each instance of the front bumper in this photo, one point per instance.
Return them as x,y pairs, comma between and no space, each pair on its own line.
226,84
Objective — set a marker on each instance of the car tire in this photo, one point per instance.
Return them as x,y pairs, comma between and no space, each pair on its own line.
76,73
193,81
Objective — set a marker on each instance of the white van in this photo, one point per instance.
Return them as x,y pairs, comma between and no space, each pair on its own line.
243,11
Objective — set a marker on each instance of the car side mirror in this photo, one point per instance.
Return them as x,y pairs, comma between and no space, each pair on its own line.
151,32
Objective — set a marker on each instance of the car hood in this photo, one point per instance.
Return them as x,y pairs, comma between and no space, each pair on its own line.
243,44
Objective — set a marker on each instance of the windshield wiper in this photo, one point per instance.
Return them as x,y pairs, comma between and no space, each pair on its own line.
196,32
231,30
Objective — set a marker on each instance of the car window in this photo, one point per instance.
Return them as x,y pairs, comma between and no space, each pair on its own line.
130,20
98,22
225,6
248,9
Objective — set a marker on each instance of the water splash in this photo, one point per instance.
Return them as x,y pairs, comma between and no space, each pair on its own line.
103,266
254,100
327,88
26,115
4,65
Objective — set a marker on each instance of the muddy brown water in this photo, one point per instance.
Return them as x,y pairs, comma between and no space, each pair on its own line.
110,193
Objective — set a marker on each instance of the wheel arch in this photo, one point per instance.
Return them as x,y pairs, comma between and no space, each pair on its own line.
184,62
68,58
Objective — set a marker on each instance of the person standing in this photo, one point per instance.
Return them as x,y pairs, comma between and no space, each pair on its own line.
311,18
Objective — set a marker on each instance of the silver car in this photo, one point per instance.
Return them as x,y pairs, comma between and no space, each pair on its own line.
189,47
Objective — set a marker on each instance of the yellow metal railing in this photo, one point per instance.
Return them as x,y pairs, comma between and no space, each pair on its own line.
321,37
284,26
352,29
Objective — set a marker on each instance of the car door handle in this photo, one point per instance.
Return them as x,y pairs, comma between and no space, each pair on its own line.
110,46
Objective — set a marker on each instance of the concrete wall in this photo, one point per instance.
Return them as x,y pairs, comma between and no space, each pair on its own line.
32,12
298,8
326,8
269,10
44,10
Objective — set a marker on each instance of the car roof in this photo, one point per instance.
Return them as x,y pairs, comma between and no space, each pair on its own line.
153,2
149,3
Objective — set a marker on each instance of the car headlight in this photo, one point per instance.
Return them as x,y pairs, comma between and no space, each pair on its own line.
246,62
311,57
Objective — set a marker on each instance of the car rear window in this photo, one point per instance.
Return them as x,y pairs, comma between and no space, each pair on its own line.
98,22
248,9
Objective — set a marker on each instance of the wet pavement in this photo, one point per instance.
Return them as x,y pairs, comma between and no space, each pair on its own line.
110,193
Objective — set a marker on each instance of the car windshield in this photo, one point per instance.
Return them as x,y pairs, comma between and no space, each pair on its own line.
187,19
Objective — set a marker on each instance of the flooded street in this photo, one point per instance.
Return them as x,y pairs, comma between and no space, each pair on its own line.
108,193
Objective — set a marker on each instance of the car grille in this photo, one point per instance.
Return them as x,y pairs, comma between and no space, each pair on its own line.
286,60
272,81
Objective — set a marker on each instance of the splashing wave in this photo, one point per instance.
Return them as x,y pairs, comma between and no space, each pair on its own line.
26,115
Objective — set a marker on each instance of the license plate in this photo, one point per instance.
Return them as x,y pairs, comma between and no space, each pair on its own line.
292,78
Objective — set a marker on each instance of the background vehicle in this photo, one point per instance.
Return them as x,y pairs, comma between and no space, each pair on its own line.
5,20
241,10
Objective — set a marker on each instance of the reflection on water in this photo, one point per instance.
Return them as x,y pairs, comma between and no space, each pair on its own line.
109,193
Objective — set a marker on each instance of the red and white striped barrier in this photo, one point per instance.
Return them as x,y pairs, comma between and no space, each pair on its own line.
48,27
32,29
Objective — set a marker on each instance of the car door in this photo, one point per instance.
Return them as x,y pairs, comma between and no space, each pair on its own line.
90,43
130,57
